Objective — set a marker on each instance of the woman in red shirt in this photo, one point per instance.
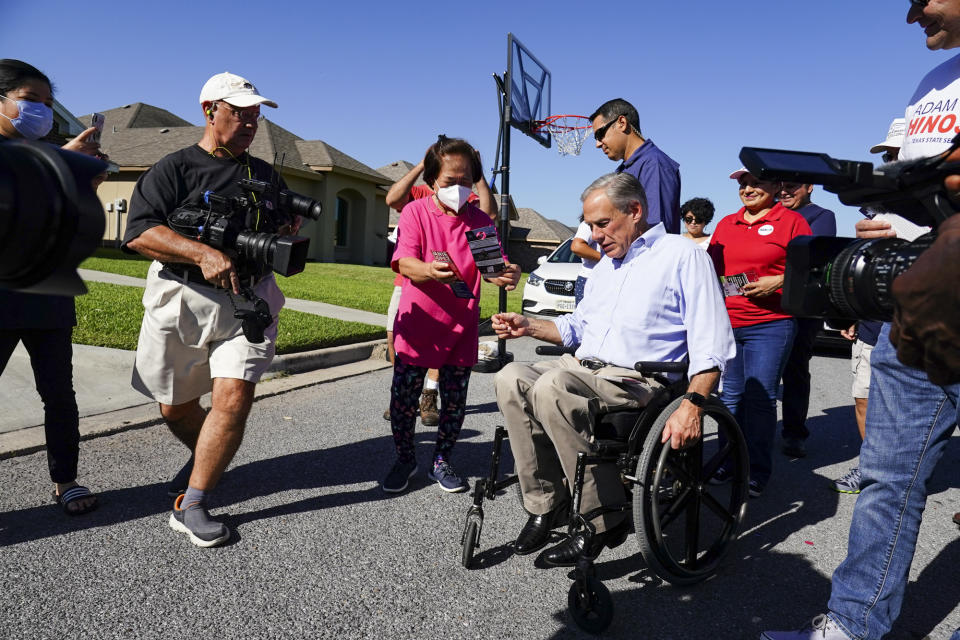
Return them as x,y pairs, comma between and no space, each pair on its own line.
749,250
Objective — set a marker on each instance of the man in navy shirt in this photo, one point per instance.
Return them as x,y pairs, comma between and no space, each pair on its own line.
616,128
796,373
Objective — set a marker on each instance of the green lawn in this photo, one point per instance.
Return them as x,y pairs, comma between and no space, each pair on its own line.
109,316
346,285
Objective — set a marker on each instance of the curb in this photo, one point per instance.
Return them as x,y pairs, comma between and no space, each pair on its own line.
286,373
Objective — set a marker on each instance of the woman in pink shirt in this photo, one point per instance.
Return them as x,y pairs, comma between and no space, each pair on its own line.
438,317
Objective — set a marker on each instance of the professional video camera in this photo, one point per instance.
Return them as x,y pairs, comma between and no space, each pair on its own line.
844,279
228,223
50,217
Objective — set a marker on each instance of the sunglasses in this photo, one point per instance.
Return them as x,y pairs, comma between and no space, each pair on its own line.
919,3
242,116
602,131
691,220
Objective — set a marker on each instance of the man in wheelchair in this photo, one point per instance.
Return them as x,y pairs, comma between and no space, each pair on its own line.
653,296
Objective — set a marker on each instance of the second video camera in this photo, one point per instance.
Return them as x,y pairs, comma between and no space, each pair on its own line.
846,279
248,225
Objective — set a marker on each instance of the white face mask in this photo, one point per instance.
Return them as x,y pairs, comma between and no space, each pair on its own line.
455,196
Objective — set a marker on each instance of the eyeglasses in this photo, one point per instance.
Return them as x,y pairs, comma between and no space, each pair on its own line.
919,3
602,131
888,156
690,220
243,116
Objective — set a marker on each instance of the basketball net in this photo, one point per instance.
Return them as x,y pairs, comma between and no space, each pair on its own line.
568,132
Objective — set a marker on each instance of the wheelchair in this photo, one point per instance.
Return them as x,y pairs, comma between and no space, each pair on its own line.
685,525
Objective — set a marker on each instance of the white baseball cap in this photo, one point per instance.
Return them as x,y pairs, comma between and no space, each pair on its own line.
234,90
894,137
739,172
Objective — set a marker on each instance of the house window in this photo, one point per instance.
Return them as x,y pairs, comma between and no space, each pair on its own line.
340,223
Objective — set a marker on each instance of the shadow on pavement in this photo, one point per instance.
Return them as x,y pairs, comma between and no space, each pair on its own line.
342,465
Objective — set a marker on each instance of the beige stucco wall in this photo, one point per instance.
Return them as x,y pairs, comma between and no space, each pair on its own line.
366,226
118,186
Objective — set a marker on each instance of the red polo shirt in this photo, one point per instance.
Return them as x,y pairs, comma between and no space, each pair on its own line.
738,246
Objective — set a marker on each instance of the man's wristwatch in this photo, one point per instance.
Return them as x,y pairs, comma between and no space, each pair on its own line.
694,397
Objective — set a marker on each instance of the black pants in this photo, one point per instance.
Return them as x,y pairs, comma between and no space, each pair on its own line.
51,356
796,379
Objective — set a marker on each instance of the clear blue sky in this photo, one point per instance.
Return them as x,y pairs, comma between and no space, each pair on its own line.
379,80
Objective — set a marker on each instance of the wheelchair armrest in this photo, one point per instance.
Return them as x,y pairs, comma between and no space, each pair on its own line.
554,350
649,368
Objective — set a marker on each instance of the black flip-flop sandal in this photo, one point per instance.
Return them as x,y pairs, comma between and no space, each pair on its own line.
72,495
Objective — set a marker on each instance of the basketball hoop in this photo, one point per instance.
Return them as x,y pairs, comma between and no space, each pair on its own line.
568,131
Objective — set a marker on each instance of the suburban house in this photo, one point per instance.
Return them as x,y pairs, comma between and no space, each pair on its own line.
531,234
353,225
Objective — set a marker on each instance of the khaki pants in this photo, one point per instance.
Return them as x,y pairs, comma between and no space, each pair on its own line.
550,408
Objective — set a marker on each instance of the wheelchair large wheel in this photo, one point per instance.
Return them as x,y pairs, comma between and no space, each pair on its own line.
685,525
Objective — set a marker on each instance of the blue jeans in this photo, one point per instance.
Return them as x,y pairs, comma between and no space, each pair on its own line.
750,382
909,421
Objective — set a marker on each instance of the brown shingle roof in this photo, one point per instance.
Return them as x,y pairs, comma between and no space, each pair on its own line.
138,116
398,169
318,153
138,135
533,227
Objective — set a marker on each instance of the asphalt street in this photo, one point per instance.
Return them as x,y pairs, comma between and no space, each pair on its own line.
319,551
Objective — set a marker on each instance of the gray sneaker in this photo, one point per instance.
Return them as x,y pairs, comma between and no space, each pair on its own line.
848,483
820,628
399,476
196,523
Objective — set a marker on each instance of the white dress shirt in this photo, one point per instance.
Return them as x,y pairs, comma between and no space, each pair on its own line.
660,302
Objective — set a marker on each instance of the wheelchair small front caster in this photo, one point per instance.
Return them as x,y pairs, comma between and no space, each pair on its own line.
471,537
590,604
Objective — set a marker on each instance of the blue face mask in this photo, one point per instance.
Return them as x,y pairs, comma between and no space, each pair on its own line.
35,119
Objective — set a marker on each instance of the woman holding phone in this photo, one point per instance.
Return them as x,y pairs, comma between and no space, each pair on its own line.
437,321
44,323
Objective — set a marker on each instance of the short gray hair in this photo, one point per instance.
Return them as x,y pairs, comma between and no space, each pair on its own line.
622,189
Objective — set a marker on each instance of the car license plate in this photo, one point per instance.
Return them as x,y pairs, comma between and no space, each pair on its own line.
566,305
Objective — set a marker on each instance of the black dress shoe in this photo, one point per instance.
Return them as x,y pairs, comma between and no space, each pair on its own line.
536,532
567,552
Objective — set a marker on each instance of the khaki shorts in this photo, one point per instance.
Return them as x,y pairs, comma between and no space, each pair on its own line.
189,336
860,365
393,307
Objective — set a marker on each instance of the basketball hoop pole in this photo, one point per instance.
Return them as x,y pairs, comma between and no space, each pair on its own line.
503,357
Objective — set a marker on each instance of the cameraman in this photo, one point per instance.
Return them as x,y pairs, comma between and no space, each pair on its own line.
190,342
909,418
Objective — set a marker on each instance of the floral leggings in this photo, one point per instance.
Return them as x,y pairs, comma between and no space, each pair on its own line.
405,404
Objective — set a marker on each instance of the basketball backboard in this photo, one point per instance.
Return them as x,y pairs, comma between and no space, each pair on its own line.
527,90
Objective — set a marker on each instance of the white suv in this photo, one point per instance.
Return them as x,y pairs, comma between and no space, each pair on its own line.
549,289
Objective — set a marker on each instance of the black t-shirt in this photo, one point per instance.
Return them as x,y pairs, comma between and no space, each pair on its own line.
179,180
869,331
35,310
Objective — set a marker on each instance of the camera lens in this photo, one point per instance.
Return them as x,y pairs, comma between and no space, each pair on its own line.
287,255
861,276
299,205
50,217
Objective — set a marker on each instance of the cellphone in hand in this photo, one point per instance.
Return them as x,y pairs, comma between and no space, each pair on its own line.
97,120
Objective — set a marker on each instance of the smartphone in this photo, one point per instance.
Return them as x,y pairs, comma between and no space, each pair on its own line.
459,287
97,120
